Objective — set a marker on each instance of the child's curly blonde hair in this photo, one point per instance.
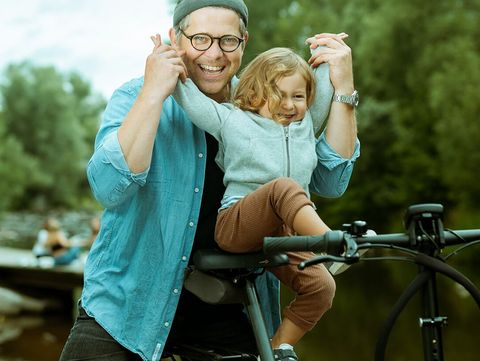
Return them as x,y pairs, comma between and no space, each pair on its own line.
258,81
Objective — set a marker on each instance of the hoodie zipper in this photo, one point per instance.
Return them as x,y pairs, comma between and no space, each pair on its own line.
286,130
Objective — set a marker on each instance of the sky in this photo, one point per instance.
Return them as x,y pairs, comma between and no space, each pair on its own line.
106,41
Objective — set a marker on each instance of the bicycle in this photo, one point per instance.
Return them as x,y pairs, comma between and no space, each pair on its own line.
220,277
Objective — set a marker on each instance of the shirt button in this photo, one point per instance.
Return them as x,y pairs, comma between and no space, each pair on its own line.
196,190
191,224
175,290
184,258
167,324
200,155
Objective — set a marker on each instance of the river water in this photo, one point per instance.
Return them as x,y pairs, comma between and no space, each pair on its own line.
33,337
37,336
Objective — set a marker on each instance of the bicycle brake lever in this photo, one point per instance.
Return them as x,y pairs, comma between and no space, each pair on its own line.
351,248
350,255
327,258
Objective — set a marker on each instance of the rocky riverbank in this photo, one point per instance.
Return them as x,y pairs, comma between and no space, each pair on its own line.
19,229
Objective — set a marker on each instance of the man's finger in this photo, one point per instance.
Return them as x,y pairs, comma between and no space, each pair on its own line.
183,77
157,40
329,35
184,74
338,37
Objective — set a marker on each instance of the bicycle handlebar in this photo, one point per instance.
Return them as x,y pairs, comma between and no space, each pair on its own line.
333,242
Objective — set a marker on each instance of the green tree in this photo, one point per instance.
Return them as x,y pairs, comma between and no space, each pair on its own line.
417,69
54,117
422,61
16,168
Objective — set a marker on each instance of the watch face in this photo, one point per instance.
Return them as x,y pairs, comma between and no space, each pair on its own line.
355,98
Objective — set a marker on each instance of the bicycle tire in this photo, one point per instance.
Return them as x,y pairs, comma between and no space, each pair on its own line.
432,264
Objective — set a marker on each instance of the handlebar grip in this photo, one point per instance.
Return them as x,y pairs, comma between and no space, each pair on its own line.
331,243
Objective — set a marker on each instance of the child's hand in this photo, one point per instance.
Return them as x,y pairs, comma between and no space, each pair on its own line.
333,50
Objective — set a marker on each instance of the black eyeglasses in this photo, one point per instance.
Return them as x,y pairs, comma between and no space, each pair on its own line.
203,42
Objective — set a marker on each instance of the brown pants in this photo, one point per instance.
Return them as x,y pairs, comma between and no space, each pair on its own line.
269,211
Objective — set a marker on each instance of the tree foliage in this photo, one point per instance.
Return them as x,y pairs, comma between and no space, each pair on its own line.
16,168
417,67
50,119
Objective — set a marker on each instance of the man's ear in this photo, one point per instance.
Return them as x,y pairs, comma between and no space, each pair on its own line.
245,36
173,38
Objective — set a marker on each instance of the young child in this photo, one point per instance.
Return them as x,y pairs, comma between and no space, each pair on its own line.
267,152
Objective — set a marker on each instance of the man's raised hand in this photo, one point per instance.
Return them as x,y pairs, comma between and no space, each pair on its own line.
164,66
338,54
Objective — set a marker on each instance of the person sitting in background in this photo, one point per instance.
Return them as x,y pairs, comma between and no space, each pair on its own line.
52,241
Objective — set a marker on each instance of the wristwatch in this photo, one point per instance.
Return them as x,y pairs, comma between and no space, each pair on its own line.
347,99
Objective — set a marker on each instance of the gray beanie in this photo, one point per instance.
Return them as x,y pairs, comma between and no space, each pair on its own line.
185,7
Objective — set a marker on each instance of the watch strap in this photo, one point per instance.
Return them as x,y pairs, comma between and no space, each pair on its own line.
347,99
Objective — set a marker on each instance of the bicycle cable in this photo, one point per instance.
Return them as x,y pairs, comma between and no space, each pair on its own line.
461,248
387,246
429,237
388,258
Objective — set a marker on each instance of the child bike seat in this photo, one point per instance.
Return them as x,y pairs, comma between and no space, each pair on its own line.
217,277
215,259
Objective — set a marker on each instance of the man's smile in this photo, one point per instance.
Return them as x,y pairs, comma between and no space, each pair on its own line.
211,69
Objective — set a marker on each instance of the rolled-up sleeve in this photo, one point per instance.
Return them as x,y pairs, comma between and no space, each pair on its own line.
110,179
333,172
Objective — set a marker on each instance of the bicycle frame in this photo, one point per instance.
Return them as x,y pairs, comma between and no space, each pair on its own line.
236,287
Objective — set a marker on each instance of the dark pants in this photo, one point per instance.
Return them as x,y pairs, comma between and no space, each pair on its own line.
89,341
219,327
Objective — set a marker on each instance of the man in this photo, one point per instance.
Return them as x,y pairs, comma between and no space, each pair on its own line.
154,172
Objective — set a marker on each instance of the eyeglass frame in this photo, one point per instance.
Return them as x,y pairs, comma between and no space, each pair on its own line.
212,40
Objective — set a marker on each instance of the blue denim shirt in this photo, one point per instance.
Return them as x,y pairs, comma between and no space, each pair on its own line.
135,270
